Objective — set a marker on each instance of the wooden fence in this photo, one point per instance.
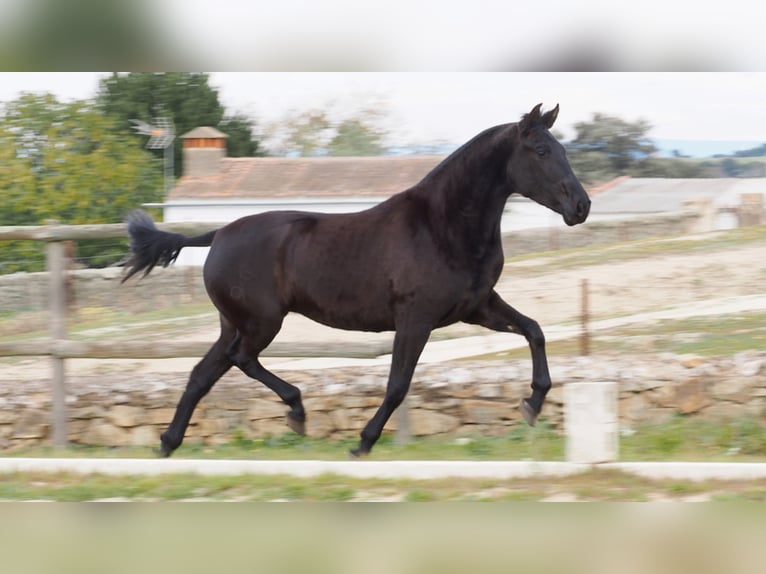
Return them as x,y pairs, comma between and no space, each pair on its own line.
59,348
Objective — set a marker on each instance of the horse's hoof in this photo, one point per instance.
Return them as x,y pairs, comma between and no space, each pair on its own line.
297,426
357,453
528,412
164,451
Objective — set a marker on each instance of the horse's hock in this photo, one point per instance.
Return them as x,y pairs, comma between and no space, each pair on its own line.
460,398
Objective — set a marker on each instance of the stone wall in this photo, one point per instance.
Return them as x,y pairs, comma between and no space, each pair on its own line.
453,399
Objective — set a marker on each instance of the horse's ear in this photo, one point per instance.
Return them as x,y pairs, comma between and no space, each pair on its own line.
530,119
549,117
534,115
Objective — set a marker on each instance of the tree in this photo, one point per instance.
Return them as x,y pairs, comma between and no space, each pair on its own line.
731,168
317,132
241,142
609,146
354,137
758,151
68,161
672,167
303,134
187,99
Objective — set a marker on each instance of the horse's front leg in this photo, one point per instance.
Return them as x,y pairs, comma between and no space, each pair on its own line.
408,345
496,314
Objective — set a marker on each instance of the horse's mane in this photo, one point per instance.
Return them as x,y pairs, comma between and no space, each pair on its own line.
474,147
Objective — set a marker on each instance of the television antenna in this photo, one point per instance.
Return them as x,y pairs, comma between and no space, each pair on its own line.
161,136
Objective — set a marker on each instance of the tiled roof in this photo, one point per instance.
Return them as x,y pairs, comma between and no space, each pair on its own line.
252,178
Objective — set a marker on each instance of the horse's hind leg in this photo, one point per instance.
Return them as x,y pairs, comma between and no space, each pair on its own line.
245,356
290,394
204,375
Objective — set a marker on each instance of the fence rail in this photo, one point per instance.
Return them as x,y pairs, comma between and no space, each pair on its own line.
69,349
58,232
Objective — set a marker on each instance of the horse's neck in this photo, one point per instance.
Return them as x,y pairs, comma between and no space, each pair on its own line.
469,191
475,186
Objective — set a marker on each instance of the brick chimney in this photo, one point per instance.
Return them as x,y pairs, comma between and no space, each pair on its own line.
204,148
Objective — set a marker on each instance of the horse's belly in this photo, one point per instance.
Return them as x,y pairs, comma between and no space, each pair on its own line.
350,318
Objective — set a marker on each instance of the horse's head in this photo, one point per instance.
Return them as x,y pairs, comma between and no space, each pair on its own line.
539,169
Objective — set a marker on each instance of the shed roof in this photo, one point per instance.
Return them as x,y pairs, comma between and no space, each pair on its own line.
204,132
654,195
270,177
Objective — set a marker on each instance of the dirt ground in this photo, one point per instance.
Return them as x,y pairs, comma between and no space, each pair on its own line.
635,285
547,288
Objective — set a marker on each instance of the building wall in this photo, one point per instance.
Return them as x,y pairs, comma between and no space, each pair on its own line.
202,161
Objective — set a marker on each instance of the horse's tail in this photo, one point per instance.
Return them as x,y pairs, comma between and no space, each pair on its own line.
150,246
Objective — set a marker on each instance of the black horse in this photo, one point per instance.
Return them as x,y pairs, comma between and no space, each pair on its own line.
424,258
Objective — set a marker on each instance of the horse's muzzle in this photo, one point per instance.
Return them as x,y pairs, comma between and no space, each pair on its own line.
579,214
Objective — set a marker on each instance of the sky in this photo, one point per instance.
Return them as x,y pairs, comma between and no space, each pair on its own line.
453,107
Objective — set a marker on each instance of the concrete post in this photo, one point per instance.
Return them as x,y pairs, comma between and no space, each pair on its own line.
590,422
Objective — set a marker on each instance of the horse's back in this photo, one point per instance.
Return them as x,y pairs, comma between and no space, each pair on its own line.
358,271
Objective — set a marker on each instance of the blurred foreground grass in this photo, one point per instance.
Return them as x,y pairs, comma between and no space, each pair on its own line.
594,485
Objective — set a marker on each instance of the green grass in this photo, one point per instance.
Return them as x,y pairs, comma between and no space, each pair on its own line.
692,439
521,442
594,485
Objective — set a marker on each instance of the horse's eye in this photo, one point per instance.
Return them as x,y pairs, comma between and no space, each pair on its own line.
541,151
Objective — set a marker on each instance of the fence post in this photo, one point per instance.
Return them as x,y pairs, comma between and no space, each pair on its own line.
57,310
584,318
403,423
